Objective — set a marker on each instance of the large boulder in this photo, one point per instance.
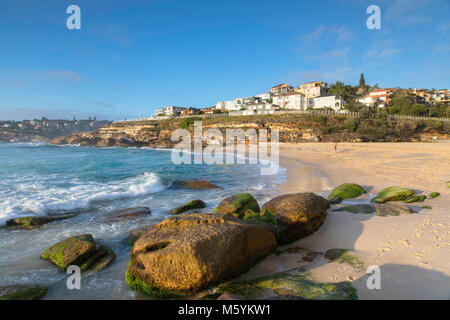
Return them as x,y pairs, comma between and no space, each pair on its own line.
188,253
346,191
21,292
393,194
297,215
138,232
194,204
237,205
195,184
81,251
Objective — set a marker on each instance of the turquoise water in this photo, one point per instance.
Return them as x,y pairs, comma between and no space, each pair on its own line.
52,180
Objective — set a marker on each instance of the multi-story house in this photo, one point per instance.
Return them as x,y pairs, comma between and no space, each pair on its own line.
380,97
290,101
313,89
281,89
170,111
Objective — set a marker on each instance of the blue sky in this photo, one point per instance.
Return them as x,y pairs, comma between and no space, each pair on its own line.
133,56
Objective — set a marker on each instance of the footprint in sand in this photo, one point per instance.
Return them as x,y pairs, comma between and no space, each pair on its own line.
405,242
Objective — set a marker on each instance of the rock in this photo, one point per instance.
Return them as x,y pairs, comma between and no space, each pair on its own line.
393,194
195,184
447,184
230,296
127,214
265,218
434,195
307,255
427,207
194,204
237,205
187,253
297,215
345,256
392,209
81,251
346,191
22,292
137,233
292,284
417,198
106,142
358,209
33,222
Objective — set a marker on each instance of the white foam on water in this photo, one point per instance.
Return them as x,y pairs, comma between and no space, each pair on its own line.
37,199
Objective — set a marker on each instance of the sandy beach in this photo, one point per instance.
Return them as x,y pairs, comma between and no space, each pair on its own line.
412,251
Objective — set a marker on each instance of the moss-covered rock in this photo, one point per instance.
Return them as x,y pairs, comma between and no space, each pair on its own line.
434,195
358,209
427,207
80,251
22,292
237,205
346,191
345,256
264,217
393,194
392,209
293,283
195,184
416,198
187,253
447,184
297,215
194,204
33,222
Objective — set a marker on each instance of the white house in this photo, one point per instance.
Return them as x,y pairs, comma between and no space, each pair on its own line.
169,111
290,101
326,101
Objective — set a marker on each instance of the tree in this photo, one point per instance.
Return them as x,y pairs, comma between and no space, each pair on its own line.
362,81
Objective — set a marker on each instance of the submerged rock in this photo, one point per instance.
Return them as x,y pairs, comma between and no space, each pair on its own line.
33,222
346,191
194,204
289,285
297,215
434,195
127,214
195,184
138,232
393,194
358,209
417,198
17,292
237,205
81,251
392,209
187,253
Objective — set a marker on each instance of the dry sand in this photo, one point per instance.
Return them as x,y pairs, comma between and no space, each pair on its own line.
412,251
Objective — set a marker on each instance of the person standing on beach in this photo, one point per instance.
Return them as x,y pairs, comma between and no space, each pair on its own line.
335,147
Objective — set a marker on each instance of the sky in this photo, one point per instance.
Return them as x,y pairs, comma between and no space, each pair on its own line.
131,57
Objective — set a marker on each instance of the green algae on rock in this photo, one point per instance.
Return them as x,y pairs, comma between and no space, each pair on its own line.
346,191
264,217
346,257
292,283
195,184
393,194
33,222
81,251
357,209
237,205
434,195
416,198
194,204
18,292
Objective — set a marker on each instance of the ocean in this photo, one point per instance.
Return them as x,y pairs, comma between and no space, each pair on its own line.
47,180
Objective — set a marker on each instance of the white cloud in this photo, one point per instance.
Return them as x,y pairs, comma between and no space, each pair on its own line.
340,33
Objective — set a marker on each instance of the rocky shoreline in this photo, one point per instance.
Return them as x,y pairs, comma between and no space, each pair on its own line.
203,255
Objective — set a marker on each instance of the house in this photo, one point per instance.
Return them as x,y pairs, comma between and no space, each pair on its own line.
290,101
171,111
382,96
189,111
209,110
260,108
236,104
313,89
281,89
326,101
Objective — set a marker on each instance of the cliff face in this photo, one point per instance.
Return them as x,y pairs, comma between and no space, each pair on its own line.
291,129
